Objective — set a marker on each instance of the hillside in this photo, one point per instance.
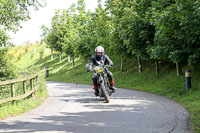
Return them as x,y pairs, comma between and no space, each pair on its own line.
166,84
21,58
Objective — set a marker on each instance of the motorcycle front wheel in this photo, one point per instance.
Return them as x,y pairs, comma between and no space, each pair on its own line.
105,94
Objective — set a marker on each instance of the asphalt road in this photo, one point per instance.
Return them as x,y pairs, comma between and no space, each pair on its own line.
73,108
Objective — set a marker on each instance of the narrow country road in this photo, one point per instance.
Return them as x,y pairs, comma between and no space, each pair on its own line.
72,108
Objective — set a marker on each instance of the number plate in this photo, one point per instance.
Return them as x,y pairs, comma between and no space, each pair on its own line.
99,70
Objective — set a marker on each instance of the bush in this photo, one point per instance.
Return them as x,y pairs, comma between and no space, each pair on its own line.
19,57
41,53
26,49
6,68
32,56
15,51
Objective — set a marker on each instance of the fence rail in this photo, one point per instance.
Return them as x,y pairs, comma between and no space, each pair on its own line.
13,96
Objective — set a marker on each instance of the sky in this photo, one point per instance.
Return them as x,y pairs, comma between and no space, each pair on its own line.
31,29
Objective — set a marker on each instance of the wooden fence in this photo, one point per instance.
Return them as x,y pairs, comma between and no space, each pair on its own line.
13,97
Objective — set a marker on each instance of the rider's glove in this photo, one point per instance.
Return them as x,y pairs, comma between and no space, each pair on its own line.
89,69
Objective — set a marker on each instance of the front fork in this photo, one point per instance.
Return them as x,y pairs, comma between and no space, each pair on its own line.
100,80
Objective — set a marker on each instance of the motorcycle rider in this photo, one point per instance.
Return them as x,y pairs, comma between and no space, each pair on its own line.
101,59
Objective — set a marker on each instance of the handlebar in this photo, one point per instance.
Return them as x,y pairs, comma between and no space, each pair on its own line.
92,67
107,66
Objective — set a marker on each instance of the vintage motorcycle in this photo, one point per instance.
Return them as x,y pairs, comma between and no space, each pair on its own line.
103,85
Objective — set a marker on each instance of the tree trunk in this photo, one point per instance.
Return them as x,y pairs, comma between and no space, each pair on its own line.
68,59
73,64
139,64
157,68
122,64
51,54
178,69
60,54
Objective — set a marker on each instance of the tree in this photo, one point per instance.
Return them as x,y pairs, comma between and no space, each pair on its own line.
135,30
12,13
145,29
46,37
95,31
4,38
176,32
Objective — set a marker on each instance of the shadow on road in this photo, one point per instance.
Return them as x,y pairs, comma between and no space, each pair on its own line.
95,117
76,110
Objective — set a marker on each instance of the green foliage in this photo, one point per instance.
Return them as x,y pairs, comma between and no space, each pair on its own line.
41,53
31,57
176,31
77,32
132,29
19,57
23,68
4,38
8,109
147,29
13,12
26,48
6,68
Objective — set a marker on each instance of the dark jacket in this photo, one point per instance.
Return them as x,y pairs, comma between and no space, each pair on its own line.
103,60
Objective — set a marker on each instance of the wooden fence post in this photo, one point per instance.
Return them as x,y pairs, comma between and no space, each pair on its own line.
13,91
31,84
24,87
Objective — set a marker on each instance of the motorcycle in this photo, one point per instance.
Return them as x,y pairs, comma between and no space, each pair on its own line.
103,85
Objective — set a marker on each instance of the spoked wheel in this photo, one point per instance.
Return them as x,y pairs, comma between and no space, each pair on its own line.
105,94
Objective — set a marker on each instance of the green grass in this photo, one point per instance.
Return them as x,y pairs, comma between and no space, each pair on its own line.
8,109
166,84
23,67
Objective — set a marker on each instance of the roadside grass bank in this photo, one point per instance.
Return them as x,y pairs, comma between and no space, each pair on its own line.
9,110
22,59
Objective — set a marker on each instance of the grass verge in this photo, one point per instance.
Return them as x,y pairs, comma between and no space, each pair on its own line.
24,67
8,109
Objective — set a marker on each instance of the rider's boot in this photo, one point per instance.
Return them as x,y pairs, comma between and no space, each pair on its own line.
112,87
96,93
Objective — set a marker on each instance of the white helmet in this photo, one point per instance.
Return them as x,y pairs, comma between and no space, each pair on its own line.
99,49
